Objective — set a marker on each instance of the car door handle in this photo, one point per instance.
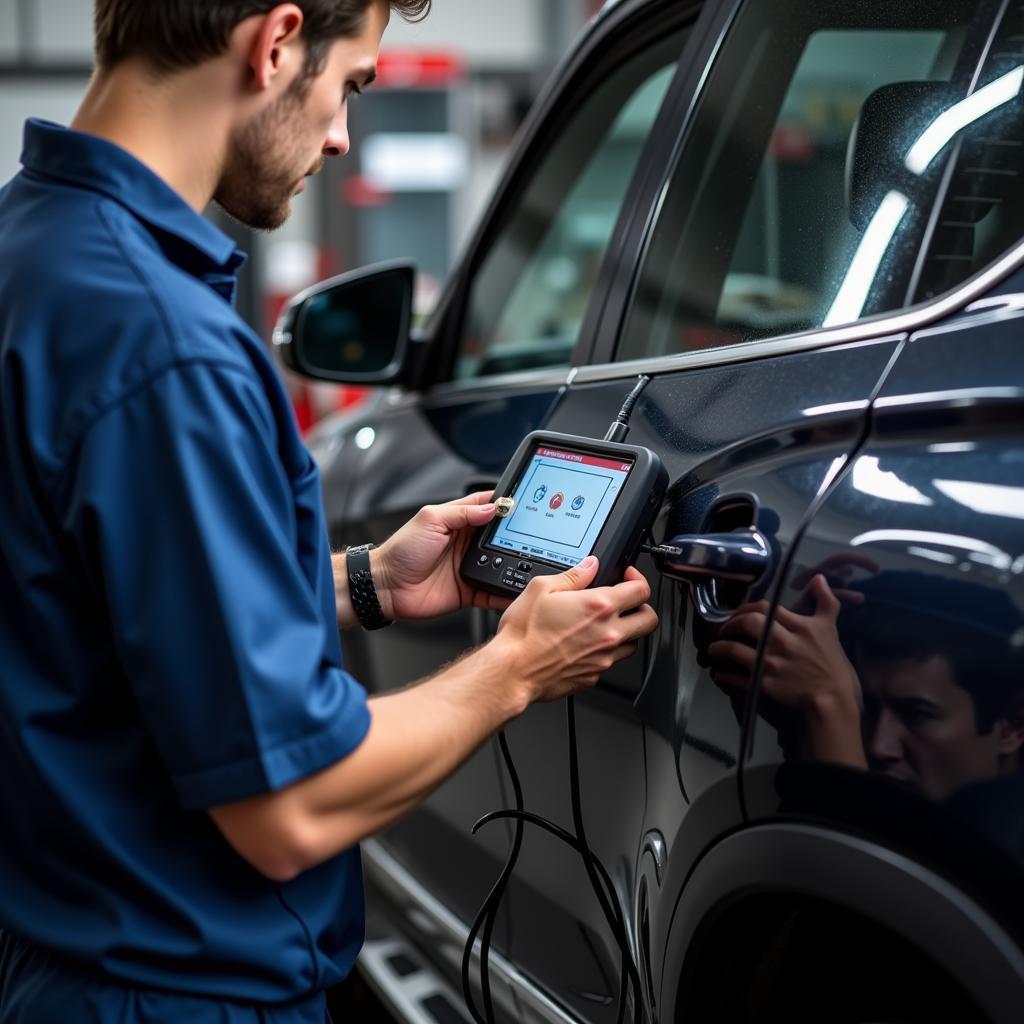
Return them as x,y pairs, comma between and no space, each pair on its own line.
742,555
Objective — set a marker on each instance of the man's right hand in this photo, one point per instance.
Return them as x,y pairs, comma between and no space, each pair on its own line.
563,637
557,638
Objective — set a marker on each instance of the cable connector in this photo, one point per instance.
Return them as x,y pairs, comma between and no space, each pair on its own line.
661,550
620,425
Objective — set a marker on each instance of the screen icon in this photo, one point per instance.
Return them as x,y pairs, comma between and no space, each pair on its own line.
577,502
556,500
538,495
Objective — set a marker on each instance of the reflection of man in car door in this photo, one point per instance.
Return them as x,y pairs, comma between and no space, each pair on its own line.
913,676
943,693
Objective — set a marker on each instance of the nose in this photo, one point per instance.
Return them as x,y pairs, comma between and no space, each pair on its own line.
883,740
337,141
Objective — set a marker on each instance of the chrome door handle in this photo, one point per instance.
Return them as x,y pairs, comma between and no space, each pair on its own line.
743,555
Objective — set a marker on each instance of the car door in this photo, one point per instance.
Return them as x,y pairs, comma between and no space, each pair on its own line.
494,361
757,308
918,612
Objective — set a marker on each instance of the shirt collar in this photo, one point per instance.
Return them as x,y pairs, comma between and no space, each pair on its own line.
94,163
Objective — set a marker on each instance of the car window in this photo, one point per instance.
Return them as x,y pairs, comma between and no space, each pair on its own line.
825,139
528,297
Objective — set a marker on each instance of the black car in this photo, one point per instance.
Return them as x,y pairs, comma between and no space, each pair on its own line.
804,220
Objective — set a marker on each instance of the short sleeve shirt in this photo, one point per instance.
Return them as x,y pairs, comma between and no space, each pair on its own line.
168,639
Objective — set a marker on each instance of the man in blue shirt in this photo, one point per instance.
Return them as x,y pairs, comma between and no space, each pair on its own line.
187,767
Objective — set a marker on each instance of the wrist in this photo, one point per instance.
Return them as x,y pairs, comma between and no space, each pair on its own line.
834,729
501,660
382,580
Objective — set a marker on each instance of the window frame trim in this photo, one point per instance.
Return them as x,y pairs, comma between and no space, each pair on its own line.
905,321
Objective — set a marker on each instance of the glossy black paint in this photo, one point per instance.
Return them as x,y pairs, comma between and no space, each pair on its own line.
818,452
925,525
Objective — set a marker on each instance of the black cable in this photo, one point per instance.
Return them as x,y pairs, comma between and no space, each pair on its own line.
612,912
600,880
620,425
488,913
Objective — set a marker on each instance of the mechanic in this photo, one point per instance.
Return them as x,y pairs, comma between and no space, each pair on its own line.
188,769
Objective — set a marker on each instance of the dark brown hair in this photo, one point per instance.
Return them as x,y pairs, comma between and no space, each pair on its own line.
176,34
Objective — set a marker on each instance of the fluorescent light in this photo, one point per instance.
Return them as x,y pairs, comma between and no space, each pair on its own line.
936,556
882,483
994,556
938,134
989,499
853,293
831,407
952,446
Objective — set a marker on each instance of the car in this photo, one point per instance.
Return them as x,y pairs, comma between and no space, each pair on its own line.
804,221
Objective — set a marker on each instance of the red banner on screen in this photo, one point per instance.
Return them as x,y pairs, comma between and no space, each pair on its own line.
586,460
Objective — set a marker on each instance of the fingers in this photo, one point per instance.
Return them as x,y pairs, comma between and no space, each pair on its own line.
839,565
455,516
827,602
736,654
579,577
640,623
730,680
746,626
624,651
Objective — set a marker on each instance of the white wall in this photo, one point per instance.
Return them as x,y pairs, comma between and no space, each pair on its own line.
489,33
505,33
52,100
8,30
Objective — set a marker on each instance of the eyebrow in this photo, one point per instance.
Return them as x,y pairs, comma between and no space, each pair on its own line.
914,704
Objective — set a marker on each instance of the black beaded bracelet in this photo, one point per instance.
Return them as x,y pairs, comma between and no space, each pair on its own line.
361,590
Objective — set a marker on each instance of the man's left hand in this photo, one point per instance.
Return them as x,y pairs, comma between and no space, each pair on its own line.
417,570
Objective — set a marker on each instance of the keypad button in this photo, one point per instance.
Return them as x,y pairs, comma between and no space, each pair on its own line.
498,562
483,559
525,566
521,577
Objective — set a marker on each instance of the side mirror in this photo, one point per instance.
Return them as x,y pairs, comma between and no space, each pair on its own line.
351,329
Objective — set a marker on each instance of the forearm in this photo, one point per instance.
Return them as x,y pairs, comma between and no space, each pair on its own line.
342,601
833,730
417,738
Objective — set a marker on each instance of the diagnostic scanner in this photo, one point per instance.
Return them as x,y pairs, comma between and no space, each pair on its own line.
566,497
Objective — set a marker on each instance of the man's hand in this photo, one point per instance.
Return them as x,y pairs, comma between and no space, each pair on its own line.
416,571
804,668
565,636
556,639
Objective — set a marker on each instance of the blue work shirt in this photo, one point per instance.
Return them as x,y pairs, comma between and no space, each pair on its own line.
168,639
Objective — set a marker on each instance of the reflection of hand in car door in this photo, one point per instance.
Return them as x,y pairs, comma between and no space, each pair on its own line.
804,670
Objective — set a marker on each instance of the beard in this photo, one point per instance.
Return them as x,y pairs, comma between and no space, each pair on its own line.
260,175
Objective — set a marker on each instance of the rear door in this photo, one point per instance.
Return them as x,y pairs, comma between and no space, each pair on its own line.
768,303
919,542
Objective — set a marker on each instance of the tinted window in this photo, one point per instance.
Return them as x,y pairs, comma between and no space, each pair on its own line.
528,297
827,135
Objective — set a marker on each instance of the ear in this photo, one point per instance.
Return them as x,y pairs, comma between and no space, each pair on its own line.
277,45
1010,730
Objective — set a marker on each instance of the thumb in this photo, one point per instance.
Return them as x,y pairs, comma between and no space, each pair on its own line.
824,600
458,517
579,577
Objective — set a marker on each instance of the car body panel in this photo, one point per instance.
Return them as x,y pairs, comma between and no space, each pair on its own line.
675,768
